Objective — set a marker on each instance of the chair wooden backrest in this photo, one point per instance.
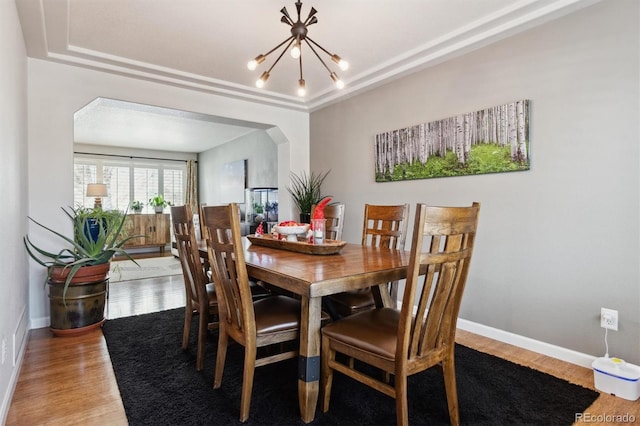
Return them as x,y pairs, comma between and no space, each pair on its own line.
195,279
235,295
229,272
441,249
334,215
385,226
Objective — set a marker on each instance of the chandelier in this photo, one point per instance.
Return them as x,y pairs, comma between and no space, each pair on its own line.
299,34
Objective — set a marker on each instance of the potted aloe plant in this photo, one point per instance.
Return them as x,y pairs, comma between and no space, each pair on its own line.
306,190
77,273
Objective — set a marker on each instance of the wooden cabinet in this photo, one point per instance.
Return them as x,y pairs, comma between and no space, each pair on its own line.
154,227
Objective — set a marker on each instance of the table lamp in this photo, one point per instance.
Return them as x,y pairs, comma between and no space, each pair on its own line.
97,190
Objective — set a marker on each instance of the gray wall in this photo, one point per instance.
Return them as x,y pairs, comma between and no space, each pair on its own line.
57,91
13,193
257,148
557,242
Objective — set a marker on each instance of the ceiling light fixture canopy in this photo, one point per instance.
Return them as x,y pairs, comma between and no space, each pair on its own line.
299,34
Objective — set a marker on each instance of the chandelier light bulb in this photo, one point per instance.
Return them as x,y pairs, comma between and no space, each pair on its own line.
301,88
262,80
253,64
295,50
344,65
339,83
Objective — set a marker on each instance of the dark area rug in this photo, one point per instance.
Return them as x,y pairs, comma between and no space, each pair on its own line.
160,386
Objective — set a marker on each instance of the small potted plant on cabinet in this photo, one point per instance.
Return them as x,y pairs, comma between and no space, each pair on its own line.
137,206
159,203
306,191
77,273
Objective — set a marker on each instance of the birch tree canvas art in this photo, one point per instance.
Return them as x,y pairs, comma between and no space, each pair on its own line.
491,140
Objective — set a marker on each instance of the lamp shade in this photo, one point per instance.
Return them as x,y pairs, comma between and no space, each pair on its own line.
96,190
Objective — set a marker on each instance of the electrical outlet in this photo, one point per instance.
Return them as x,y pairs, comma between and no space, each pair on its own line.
609,319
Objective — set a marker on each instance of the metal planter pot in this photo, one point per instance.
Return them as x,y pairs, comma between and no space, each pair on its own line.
82,309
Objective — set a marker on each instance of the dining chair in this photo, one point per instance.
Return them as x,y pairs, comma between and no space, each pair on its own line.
255,324
422,333
200,295
334,215
383,226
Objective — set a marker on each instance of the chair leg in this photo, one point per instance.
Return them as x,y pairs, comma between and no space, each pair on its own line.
326,374
449,372
402,406
221,357
186,330
203,326
247,382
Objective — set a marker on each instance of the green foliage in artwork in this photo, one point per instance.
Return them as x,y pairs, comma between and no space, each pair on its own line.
483,158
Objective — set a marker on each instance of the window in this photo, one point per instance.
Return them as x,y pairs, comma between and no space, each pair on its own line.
128,180
83,174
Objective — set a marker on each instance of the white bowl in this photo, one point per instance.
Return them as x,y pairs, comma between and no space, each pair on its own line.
292,231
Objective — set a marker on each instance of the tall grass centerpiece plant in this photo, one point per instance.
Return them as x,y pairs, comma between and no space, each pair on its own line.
98,235
306,190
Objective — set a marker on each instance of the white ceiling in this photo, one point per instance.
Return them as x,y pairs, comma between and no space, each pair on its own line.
205,45
112,122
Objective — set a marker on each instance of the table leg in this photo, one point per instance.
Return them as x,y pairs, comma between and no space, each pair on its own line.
309,357
382,296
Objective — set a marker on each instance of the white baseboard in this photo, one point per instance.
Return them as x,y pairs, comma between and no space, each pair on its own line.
13,381
547,349
41,322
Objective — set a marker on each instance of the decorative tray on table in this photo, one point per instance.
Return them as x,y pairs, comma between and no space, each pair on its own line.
267,240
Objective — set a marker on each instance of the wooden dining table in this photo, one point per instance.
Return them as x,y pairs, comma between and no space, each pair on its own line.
313,276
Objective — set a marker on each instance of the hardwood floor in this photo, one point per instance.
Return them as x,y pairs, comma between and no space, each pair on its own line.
70,381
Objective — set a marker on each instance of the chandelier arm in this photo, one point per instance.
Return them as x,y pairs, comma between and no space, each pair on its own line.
281,53
301,83
323,49
300,64
272,50
312,12
298,8
318,56
286,15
